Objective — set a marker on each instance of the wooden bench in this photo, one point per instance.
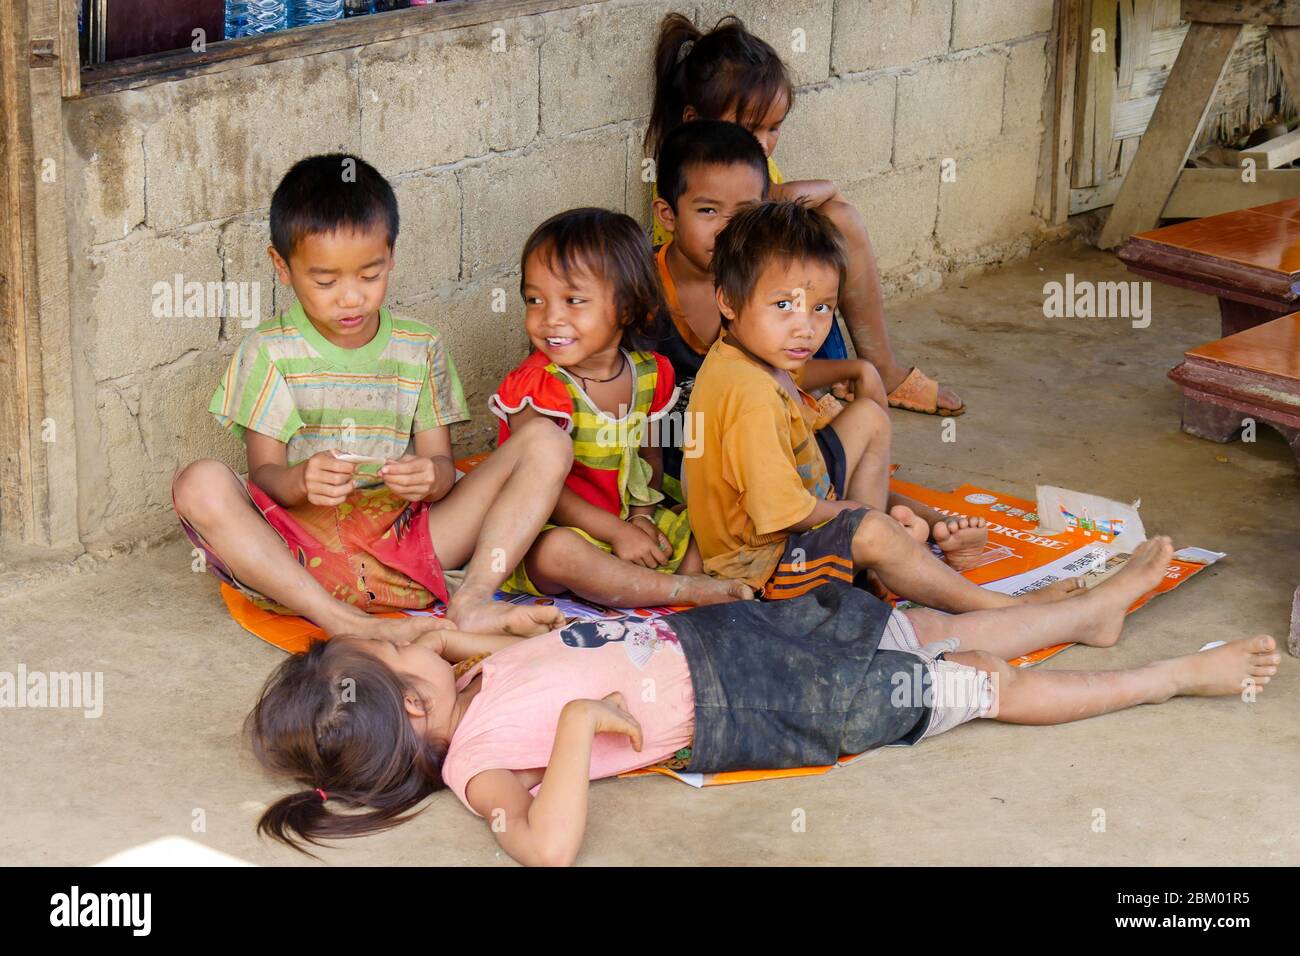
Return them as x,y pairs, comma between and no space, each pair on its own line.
1253,374
1249,260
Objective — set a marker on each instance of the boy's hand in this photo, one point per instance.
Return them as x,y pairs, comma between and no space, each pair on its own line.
610,716
865,383
411,477
328,481
634,543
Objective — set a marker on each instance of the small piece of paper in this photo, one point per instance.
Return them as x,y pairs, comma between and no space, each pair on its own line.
359,459
1198,555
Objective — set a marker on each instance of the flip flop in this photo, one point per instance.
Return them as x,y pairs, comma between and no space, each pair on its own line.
920,393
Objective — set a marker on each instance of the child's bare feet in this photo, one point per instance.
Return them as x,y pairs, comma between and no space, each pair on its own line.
914,524
961,540
485,616
1228,669
1056,591
700,589
1110,600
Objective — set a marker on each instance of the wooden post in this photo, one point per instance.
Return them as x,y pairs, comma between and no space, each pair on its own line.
38,452
1172,131
1068,23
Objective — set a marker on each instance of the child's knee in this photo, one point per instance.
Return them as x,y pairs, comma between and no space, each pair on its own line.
202,487
875,533
866,417
546,442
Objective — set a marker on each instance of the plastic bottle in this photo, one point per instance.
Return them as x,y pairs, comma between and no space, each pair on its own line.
236,19
267,16
303,12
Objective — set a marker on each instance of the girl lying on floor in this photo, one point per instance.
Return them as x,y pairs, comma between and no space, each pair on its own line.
747,685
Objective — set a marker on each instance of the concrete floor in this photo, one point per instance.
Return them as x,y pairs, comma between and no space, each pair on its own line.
1082,403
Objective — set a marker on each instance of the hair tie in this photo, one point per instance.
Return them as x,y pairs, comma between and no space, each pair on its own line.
323,797
685,50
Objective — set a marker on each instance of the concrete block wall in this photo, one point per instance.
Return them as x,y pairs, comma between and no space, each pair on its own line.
482,144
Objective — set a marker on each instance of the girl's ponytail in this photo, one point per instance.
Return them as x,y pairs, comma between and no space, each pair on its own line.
334,720
675,31
726,72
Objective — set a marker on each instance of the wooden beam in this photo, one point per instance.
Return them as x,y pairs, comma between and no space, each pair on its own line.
1208,192
17,510
1069,21
1172,131
69,48
1276,152
1265,12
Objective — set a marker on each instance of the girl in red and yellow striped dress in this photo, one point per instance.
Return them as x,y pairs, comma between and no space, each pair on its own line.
587,278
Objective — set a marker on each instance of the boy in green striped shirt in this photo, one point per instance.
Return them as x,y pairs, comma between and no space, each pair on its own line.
351,503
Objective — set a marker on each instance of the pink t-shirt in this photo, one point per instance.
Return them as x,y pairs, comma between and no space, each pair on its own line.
510,723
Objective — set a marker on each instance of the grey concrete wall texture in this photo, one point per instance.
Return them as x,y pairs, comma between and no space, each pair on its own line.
481,145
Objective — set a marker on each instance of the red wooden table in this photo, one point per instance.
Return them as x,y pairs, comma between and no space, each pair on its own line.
1253,374
1249,259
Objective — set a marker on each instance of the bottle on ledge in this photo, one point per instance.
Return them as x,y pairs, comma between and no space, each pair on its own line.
303,12
267,16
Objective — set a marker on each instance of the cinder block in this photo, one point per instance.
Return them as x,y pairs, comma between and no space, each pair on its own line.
428,246
992,199
152,424
597,65
799,30
484,343
125,280
947,106
1027,68
878,34
843,132
980,22
437,98
106,168
243,130
244,258
506,197
899,210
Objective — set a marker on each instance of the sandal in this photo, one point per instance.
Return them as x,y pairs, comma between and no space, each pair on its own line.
920,393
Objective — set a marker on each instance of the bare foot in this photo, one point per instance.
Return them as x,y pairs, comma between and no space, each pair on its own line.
961,540
1229,669
700,589
1110,600
498,617
1056,591
402,630
909,519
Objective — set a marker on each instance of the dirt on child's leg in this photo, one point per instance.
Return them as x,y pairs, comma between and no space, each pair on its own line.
562,560
214,501
492,517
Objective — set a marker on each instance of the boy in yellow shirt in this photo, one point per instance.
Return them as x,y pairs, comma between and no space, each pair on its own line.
778,497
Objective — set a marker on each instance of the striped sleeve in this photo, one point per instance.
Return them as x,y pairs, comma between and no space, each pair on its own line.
253,395
442,400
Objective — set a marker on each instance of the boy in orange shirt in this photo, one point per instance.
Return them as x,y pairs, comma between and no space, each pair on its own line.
779,498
